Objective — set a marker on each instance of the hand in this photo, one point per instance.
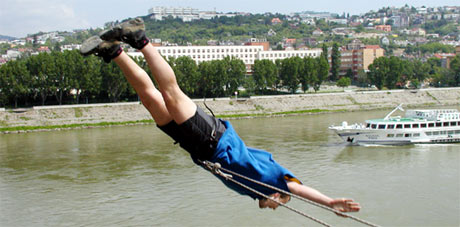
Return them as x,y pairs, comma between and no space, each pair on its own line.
344,205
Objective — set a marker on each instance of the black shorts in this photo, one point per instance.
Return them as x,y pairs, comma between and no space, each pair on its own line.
198,135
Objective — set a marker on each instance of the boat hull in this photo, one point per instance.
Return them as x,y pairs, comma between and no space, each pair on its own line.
379,137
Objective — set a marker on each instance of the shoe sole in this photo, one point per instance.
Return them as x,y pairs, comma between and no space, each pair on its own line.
90,45
116,33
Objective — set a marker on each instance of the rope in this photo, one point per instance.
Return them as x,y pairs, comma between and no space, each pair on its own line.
216,168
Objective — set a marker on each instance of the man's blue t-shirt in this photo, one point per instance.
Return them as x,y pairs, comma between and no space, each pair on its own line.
232,154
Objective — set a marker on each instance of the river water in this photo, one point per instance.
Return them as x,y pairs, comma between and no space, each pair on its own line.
135,176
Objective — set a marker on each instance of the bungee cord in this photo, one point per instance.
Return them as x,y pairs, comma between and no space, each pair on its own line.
217,169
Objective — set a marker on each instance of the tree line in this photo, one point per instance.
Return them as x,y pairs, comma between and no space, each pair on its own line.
393,72
68,78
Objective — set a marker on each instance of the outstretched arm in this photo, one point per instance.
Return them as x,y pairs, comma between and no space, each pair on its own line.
342,205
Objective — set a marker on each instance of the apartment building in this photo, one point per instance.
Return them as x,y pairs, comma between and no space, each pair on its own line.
357,56
247,53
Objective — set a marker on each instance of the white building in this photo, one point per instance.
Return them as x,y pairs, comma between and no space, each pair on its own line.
13,54
186,14
70,47
248,54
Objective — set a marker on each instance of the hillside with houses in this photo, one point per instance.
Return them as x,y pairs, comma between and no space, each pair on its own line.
388,48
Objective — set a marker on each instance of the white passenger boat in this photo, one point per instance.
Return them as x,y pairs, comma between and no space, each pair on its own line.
418,126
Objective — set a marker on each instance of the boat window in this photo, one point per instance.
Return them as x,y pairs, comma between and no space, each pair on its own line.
398,126
453,123
391,127
391,135
435,133
415,125
406,125
450,132
368,125
399,135
429,133
416,135
457,131
443,133
438,124
423,125
407,135
431,125
373,126
381,126
446,124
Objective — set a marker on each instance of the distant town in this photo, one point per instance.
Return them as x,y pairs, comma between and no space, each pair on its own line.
391,31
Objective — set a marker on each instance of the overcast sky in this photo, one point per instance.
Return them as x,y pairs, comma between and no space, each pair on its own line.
21,17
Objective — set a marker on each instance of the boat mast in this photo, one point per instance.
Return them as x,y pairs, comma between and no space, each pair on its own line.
397,108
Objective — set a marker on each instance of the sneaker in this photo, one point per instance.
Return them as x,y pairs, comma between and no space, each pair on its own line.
108,50
131,32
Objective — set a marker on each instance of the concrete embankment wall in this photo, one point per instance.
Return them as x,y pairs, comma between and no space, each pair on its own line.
121,112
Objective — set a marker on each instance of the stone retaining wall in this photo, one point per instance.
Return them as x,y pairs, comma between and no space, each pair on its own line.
121,112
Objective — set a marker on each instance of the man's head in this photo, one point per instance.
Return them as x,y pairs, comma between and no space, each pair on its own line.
282,198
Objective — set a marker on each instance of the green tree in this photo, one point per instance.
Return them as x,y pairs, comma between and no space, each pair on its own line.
113,81
362,78
187,74
455,67
13,78
212,80
236,73
442,77
308,73
394,75
420,73
378,71
290,73
87,80
335,62
42,70
324,53
264,74
321,73
63,75
386,72
344,82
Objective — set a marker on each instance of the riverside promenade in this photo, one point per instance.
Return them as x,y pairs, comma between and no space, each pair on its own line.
234,108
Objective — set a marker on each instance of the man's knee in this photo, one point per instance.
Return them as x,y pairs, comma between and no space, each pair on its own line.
172,95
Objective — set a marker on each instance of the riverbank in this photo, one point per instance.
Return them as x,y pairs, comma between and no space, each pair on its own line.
93,115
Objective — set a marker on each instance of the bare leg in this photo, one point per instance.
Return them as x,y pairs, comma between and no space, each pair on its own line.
179,105
151,98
